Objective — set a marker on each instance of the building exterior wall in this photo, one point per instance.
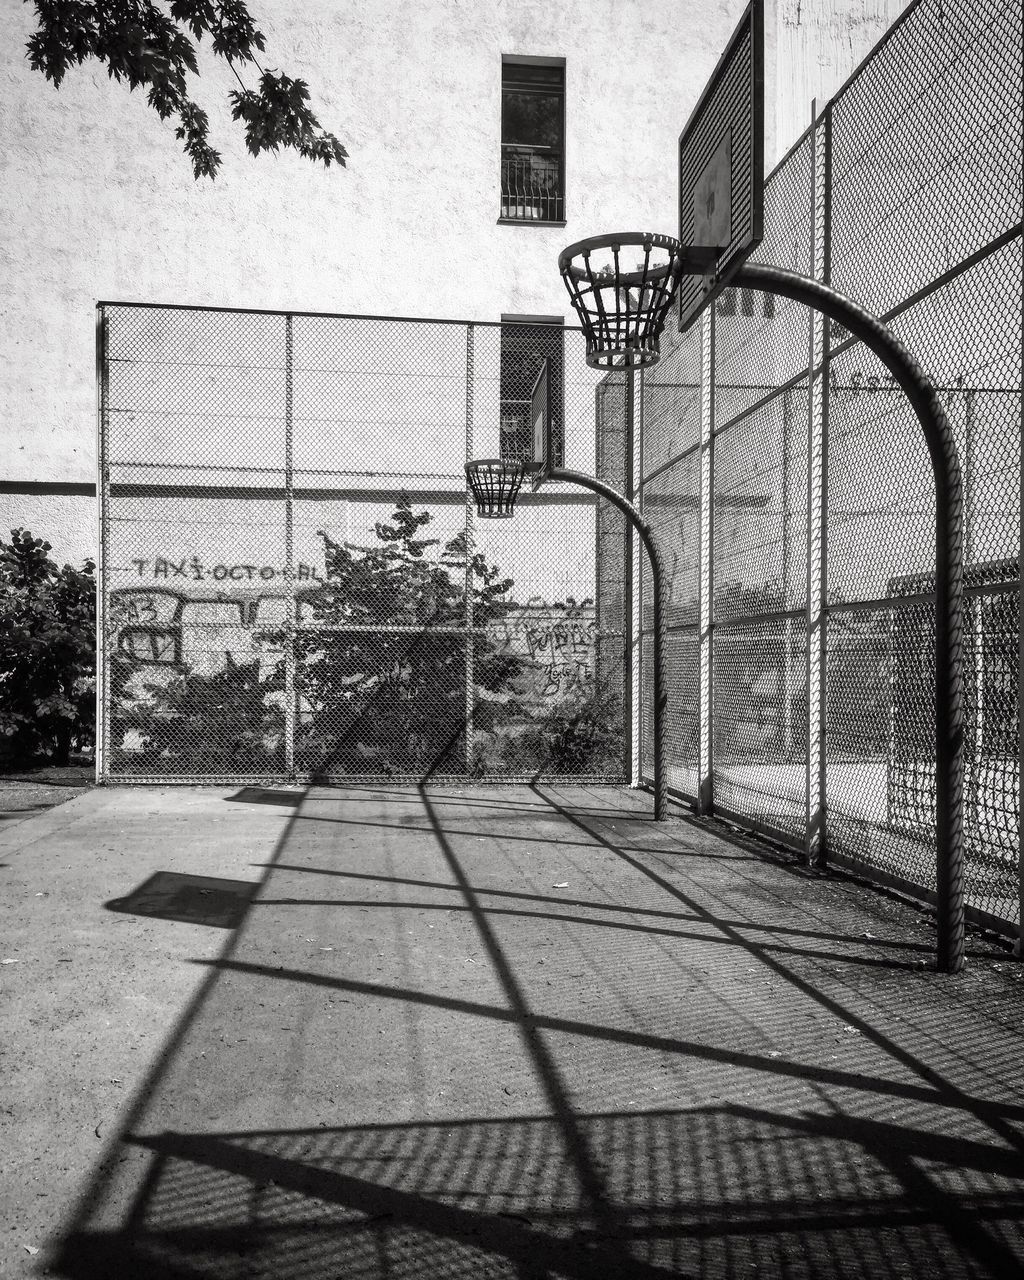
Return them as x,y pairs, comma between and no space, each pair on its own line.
100,202
816,44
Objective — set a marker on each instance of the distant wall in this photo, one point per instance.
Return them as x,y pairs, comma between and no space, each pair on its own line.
100,203
817,43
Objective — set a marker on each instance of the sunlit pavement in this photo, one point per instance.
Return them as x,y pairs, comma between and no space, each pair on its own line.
512,1032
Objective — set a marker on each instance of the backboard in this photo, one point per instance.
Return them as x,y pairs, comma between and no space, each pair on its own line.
540,422
721,170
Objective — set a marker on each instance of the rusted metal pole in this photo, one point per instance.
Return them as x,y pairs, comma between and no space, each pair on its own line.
658,587
949,733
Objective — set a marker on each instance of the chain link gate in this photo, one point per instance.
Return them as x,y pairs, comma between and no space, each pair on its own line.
293,585
792,491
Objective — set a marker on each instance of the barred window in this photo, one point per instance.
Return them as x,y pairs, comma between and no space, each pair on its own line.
532,141
524,346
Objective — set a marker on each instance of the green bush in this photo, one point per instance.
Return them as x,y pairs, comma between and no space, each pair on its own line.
219,723
389,701
578,734
47,654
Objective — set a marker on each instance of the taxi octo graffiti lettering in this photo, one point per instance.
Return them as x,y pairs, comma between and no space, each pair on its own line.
192,568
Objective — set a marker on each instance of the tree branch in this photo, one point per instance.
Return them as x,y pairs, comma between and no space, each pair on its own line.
142,45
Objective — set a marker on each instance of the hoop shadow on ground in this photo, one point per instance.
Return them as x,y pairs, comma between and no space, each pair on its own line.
708,1154
189,899
268,795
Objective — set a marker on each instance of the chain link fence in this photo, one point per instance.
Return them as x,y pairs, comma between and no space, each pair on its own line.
815,563
293,583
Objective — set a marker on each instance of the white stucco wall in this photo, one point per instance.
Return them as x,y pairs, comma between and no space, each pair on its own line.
98,201
817,43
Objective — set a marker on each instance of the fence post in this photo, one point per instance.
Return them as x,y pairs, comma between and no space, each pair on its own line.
1018,949
102,488
468,606
634,581
289,558
706,575
786,668
816,850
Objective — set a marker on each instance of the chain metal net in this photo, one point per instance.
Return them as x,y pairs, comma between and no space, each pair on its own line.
925,230
671,499
294,582
906,196
760,592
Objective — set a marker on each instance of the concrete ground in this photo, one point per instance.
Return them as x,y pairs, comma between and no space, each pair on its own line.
517,1033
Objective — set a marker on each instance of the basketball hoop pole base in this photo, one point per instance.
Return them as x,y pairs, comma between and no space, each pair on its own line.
949,723
657,584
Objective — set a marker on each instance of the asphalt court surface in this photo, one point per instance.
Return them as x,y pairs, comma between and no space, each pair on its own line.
501,1032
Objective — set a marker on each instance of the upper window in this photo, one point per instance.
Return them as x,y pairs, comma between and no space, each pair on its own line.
532,141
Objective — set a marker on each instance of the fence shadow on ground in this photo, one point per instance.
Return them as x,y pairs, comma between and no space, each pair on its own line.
784,1167
716,1191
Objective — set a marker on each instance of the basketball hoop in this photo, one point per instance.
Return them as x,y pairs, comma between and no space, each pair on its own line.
622,311
494,483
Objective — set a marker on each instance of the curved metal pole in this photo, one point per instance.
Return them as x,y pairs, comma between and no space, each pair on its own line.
949,736
657,583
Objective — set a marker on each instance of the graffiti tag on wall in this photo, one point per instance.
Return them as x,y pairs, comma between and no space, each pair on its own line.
559,643
161,627
164,627
191,567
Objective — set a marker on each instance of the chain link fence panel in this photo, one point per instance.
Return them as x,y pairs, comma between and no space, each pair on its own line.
906,195
294,585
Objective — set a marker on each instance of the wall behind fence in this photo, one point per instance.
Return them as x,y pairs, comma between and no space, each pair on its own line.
790,483
293,583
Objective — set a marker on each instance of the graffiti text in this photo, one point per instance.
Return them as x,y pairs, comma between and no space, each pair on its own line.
193,569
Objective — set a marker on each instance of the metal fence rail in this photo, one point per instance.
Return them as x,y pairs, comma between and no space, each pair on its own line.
293,583
794,489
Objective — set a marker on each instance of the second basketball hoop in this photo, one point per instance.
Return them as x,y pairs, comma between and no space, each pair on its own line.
495,484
